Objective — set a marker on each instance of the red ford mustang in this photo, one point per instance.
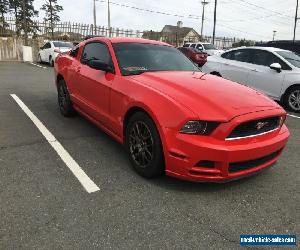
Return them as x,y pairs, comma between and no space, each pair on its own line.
171,117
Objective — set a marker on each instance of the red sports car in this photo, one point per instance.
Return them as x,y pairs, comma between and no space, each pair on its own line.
198,57
171,118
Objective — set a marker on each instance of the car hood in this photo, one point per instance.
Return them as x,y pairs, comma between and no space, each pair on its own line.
209,97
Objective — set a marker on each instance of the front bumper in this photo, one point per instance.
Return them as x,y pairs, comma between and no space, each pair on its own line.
200,158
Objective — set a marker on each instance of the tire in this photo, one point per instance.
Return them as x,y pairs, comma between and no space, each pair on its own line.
51,62
64,100
143,145
291,99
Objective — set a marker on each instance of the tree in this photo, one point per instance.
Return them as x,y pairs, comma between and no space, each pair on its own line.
14,6
24,12
241,43
52,9
4,8
27,13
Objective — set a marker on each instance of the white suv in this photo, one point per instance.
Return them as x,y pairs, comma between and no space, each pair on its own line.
208,48
273,71
51,49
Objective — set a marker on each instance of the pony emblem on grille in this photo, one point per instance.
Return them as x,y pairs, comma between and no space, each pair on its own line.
260,125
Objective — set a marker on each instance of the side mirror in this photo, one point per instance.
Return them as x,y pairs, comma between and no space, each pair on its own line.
73,52
97,64
276,66
41,48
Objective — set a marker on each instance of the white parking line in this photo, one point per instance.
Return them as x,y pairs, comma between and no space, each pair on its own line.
294,116
85,181
38,65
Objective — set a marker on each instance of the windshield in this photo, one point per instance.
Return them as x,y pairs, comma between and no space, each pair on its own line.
136,58
63,45
209,46
291,57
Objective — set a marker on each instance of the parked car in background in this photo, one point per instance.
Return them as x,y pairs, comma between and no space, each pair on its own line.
51,49
273,71
171,117
283,44
208,48
198,57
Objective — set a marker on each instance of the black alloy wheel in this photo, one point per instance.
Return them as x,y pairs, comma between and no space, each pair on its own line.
144,146
64,101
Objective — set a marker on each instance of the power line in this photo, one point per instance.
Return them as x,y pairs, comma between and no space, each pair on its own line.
178,15
251,19
261,7
141,9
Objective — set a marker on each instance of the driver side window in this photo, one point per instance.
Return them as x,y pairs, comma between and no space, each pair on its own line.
265,58
47,46
96,51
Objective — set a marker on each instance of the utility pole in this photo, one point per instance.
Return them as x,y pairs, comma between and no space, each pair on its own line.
215,20
204,3
95,18
274,33
296,19
108,18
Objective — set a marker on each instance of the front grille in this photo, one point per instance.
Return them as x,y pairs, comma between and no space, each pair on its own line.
255,127
206,164
245,165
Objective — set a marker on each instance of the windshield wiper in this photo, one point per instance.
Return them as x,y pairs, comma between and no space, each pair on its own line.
135,73
139,72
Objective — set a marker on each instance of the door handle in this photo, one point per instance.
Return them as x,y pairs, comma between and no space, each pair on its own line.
77,70
254,70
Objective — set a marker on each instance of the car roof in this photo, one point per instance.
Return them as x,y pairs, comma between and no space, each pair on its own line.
271,49
60,42
198,43
128,40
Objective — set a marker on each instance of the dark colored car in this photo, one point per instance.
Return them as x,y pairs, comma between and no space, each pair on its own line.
200,58
283,44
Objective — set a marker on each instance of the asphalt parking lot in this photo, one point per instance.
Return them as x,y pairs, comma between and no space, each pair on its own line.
44,206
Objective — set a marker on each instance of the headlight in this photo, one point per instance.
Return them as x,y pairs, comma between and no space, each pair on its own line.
198,127
282,120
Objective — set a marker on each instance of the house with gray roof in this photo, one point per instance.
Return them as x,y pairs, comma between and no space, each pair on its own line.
175,35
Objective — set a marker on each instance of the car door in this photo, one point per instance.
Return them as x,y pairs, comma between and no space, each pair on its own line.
46,52
236,66
42,53
72,74
262,77
93,86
